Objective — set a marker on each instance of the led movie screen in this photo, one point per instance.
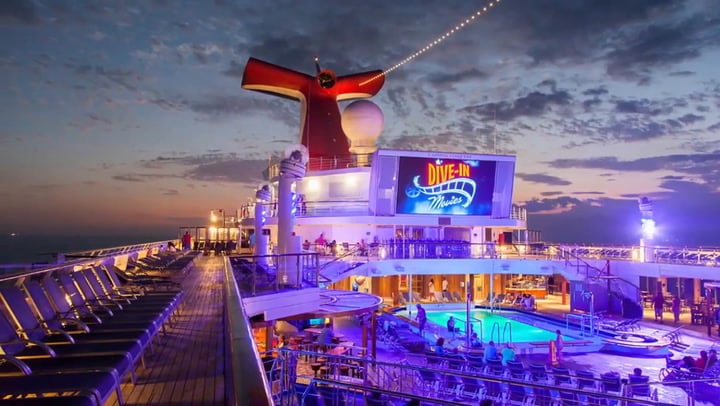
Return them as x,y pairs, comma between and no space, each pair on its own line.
445,186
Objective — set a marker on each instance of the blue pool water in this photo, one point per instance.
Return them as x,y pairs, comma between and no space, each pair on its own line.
485,320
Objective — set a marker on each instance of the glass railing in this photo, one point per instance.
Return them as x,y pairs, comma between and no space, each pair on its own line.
245,379
266,274
457,249
326,163
331,208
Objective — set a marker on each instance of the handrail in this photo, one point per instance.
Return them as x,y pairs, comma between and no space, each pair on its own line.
507,327
22,273
492,332
468,330
252,385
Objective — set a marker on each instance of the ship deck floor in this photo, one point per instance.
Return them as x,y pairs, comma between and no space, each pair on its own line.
187,366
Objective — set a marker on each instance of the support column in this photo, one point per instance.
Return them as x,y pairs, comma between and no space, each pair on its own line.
268,337
373,334
563,291
262,196
292,168
364,337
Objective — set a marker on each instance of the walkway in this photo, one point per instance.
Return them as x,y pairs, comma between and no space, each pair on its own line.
187,367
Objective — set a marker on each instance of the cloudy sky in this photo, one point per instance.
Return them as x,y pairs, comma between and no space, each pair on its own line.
121,115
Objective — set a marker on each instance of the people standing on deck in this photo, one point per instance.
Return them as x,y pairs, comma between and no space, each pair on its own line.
444,285
451,325
320,243
421,318
659,304
431,289
676,308
251,242
325,339
558,345
186,241
362,247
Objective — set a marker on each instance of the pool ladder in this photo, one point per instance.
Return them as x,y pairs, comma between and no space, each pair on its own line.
504,335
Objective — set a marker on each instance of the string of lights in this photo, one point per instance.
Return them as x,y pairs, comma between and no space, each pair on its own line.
437,41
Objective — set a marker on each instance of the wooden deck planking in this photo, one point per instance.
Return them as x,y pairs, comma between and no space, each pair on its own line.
188,364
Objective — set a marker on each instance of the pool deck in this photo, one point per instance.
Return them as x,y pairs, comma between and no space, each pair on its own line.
695,337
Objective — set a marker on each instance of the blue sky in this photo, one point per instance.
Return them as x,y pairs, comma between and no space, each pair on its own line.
122,116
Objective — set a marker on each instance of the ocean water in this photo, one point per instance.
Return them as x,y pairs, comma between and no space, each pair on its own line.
25,249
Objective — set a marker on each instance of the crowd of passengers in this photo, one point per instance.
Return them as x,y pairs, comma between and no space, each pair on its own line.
396,248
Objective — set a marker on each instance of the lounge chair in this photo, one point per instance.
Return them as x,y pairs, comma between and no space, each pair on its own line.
83,312
639,385
88,388
561,376
58,342
622,325
53,320
472,388
82,295
38,362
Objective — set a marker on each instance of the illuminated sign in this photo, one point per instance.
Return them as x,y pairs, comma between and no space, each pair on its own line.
445,186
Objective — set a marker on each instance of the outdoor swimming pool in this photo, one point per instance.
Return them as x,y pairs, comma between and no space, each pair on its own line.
489,325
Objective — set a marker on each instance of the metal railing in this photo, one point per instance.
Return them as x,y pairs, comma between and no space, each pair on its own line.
337,208
455,386
87,258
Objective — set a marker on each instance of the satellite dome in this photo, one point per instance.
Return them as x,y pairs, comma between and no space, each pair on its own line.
362,121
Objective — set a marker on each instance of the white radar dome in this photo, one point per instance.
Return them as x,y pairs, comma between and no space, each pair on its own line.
362,121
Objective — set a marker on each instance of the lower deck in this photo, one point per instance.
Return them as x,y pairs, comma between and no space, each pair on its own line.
187,366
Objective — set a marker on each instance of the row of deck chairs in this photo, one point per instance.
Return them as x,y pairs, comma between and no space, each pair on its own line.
164,261
555,378
439,297
620,325
72,337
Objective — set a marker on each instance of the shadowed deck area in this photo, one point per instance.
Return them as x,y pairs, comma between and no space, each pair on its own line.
188,364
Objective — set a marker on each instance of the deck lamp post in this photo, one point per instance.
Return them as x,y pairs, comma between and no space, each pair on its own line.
647,228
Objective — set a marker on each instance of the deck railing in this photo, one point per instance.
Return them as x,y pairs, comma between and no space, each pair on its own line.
245,380
364,377
265,274
447,249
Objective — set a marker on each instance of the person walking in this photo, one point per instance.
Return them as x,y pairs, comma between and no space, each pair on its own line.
676,308
658,305
558,345
431,289
421,318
